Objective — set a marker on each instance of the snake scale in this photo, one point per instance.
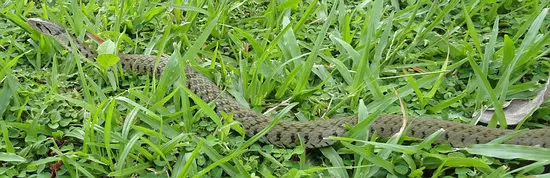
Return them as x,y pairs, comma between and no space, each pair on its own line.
314,133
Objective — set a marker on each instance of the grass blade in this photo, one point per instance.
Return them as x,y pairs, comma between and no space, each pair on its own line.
306,67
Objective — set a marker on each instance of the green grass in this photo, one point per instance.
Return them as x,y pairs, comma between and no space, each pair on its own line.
300,60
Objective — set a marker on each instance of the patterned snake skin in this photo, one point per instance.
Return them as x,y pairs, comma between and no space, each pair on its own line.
285,133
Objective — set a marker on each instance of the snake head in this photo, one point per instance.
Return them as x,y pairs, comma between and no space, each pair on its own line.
46,27
60,34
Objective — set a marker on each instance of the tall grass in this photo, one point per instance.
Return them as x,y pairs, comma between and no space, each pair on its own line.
305,60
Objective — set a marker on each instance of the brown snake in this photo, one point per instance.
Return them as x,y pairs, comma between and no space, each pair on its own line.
314,133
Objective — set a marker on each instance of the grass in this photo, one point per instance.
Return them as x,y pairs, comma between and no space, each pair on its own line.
299,60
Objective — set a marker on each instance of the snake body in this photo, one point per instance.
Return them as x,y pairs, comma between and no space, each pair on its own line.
314,133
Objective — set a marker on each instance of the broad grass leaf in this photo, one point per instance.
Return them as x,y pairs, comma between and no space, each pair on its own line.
505,151
11,157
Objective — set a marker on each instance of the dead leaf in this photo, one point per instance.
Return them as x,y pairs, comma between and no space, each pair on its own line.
516,109
54,168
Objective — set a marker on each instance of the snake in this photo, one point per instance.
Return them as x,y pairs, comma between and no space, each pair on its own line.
314,133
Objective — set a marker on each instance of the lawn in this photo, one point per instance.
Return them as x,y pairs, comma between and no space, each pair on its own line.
66,116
